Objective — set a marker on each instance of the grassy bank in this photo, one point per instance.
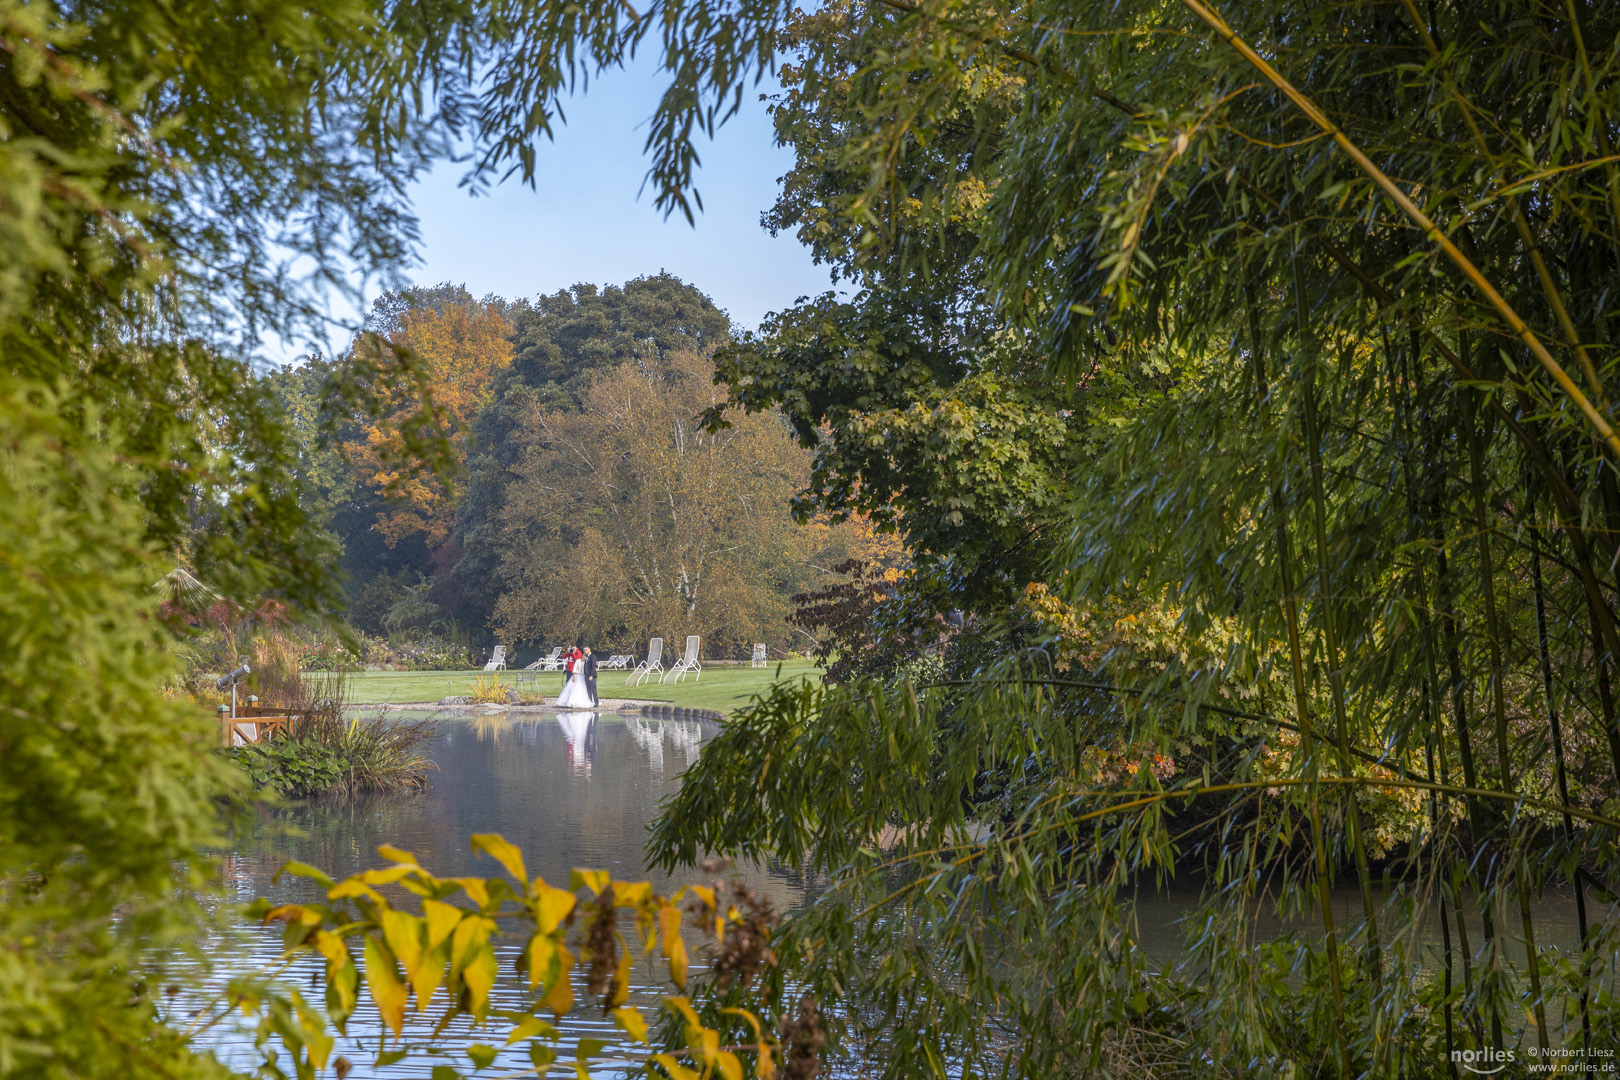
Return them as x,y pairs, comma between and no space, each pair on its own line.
722,688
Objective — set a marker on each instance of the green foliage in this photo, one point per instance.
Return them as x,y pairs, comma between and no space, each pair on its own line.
331,756
174,183
417,654
105,785
292,768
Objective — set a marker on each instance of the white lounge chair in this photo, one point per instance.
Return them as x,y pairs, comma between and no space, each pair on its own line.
497,660
759,654
654,662
552,662
687,662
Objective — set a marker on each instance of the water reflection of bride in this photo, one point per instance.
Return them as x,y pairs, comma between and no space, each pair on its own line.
579,728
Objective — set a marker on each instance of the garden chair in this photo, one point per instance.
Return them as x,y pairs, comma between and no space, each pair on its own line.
497,660
654,662
688,661
759,655
551,662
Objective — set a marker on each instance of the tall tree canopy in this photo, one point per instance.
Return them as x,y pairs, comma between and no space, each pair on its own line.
625,519
462,346
561,341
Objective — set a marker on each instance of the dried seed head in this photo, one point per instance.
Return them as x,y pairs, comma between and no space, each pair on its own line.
602,945
802,1042
746,947
714,866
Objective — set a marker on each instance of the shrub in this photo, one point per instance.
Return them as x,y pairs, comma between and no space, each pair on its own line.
491,692
420,654
292,768
383,756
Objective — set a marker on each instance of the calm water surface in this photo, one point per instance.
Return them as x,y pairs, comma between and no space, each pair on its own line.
571,790
577,790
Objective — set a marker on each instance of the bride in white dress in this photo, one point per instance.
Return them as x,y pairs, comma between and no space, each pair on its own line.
575,694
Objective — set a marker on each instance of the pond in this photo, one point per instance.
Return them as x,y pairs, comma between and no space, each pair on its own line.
571,790
577,790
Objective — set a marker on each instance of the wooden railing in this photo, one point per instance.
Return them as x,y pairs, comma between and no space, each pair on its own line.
254,725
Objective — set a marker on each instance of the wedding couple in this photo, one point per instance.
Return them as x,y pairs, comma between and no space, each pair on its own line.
579,685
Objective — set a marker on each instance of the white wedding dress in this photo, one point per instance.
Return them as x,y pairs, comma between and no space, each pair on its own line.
575,694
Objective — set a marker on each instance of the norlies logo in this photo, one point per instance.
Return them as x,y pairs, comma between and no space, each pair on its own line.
1483,1062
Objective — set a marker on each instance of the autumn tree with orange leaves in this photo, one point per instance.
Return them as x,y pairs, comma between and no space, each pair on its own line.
464,345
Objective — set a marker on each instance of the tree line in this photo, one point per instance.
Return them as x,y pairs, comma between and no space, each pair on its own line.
589,503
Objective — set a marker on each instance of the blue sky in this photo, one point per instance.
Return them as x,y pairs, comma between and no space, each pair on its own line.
587,220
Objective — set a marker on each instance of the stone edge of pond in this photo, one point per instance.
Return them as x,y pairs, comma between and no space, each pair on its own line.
628,706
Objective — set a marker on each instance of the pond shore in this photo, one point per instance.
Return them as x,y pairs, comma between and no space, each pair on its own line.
721,688
459,706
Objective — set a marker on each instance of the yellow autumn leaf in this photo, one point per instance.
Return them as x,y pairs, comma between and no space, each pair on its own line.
330,946
468,936
705,1043
551,906
293,913
387,875
632,1023
531,1027
620,992
316,1040
394,854
676,1070
753,1021
683,1007
474,887
669,925
595,880
631,893
355,887
507,854
542,959
560,995
427,974
386,989
403,933
479,976
728,1064
441,919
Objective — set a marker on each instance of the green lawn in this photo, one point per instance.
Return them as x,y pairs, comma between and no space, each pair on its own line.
722,688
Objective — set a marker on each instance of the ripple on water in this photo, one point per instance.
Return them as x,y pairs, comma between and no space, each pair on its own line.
569,789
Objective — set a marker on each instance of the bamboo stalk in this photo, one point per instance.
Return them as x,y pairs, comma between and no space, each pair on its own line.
1431,681
1301,712
1493,638
1558,762
1335,671
1477,826
1549,288
1431,231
